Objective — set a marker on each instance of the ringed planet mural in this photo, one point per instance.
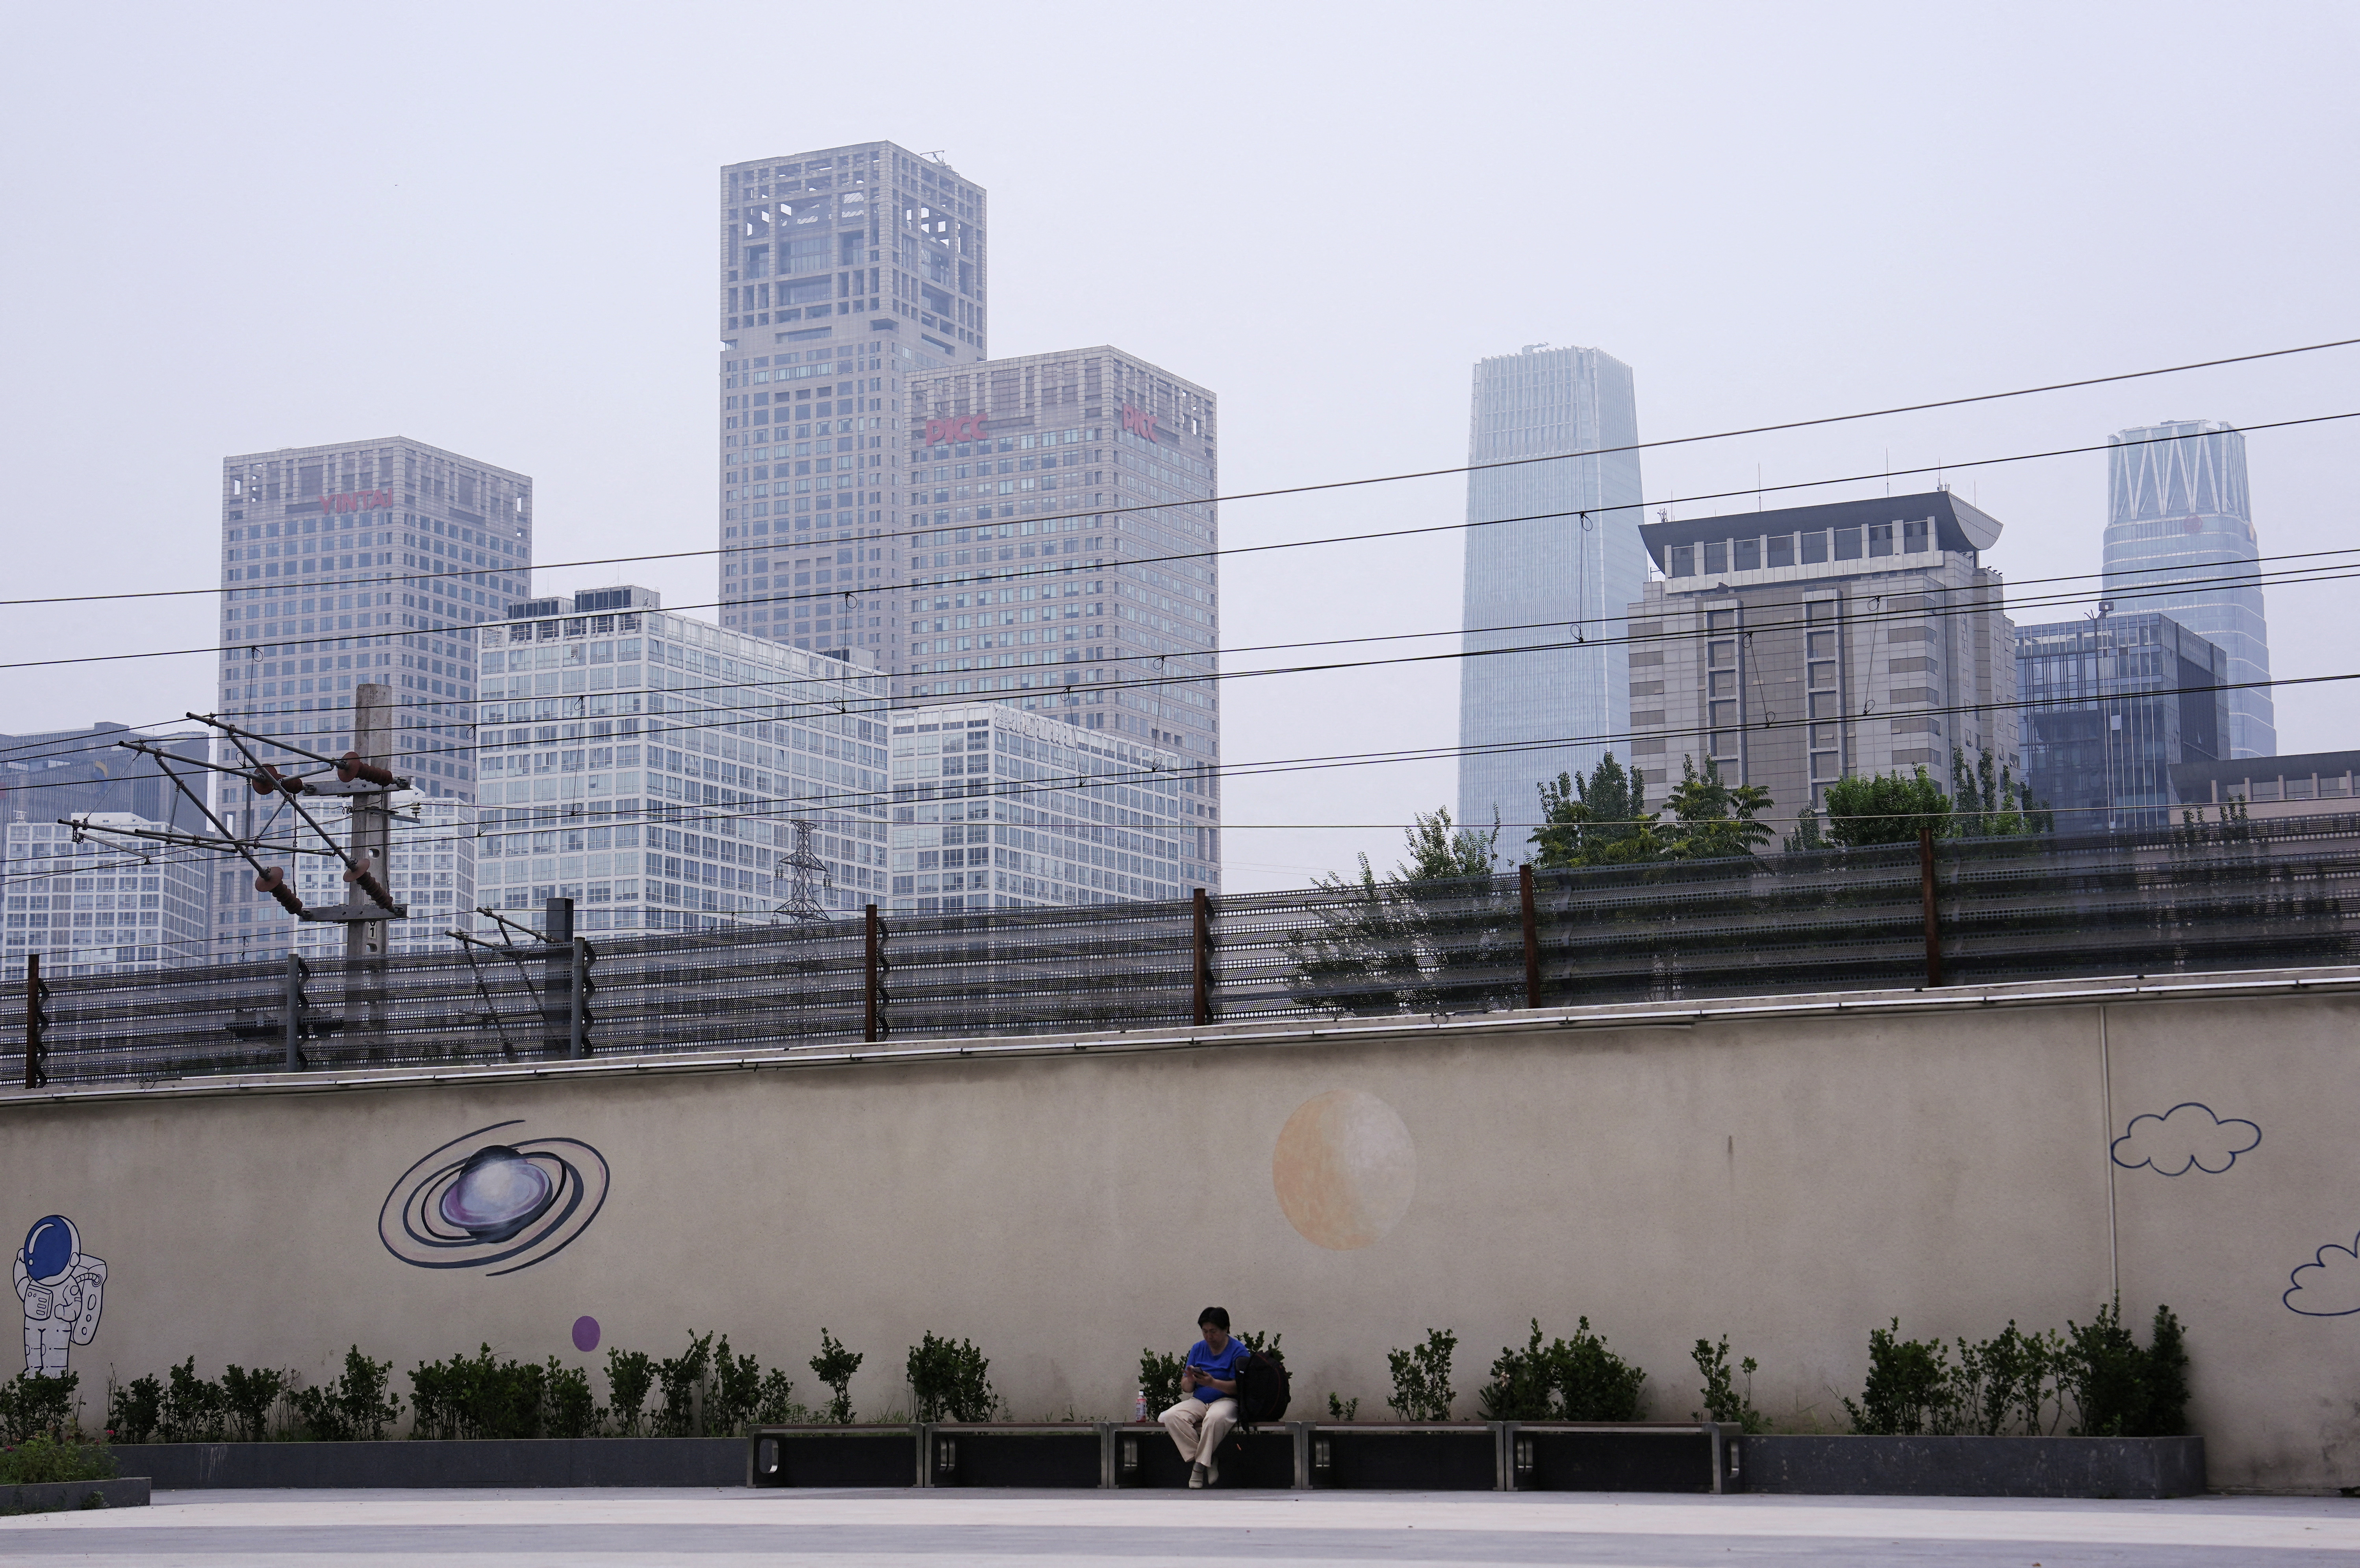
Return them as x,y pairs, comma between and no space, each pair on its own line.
476,1202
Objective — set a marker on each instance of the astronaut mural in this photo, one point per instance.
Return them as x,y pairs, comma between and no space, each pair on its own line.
62,1288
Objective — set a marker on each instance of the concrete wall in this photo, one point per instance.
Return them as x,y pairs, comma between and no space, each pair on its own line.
1789,1175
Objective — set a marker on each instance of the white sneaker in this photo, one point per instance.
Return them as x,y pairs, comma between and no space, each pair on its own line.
1212,1471
1195,1477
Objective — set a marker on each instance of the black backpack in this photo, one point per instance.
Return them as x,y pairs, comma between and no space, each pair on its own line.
1263,1387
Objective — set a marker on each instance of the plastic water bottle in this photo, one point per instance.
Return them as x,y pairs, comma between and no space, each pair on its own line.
1139,1404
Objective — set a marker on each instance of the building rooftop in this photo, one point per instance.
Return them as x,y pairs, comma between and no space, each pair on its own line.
1956,525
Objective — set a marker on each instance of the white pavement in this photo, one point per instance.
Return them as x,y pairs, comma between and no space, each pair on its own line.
503,1528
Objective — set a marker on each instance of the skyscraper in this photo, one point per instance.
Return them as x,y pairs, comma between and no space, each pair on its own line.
349,563
2180,540
1021,590
1553,556
842,273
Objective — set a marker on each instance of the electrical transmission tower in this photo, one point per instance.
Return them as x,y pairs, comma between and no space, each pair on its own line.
806,874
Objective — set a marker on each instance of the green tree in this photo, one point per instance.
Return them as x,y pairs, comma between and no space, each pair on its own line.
1990,802
1598,821
1438,851
1886,809
1712,820
1393,944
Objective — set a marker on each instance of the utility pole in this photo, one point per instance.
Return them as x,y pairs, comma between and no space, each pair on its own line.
371,860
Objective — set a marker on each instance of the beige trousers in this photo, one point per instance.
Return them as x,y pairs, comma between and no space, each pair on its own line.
1197,1428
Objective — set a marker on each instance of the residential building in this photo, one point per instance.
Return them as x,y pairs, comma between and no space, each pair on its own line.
353,562
1552,558
58,773
843,272
2297,784
2181,542
2111,707
1809,644
995,808
106,905
651,768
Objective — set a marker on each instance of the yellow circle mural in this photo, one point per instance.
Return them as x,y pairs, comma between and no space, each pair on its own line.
1344,1168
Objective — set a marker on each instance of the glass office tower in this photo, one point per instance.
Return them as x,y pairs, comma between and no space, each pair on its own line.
2181,542
1553,557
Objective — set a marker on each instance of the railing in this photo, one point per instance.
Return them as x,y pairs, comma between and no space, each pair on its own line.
2260,894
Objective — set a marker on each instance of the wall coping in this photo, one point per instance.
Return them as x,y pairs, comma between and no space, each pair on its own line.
2326,981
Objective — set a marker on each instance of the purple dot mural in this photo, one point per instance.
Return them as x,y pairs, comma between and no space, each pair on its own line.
585,1334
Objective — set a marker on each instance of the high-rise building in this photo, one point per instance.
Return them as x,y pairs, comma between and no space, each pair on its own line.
350,564
361,561
842,273
1797,647
997,809
1553,557
2181,540
652,766
102,905
2113,706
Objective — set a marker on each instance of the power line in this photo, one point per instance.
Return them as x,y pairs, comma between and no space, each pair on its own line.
1397,478
875,709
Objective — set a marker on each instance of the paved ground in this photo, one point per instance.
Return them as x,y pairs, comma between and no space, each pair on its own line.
879,1530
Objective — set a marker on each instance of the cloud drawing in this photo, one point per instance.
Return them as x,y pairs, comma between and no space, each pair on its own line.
2187,1135
2328,1286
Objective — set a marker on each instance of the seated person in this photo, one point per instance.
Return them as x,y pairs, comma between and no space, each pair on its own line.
1208,1396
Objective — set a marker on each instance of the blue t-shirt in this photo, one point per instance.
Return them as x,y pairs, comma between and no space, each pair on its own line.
1224,1366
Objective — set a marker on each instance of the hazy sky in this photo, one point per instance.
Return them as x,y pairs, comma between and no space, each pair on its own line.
490,227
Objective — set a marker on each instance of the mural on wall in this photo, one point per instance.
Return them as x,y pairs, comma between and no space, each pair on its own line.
1345,1169
62,1288
501,1206
2329,1285
2187,1137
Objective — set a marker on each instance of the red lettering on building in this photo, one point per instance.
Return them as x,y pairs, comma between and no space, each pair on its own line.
1138,421
967,426
356,501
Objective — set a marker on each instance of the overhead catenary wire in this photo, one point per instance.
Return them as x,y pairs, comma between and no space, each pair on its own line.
1771,428
879,708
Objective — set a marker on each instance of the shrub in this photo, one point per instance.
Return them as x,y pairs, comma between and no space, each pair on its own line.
735,1392
1422,1388
41,1459
35,1404
1522,1381
950,1378
1263,1344
569,1409
834,1366
246,1399
1593,1383
1910,1388
1342,1410
1722,1402
629,1374
474,1397
683,1378
191,1408
1159,1379
2004,1384
356,1406
132,1411
2120,1390
775,1403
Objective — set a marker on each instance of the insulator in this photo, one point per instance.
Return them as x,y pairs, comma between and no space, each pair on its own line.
353,766
273,881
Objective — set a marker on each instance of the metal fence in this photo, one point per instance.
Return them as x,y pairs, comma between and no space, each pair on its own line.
2238,895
